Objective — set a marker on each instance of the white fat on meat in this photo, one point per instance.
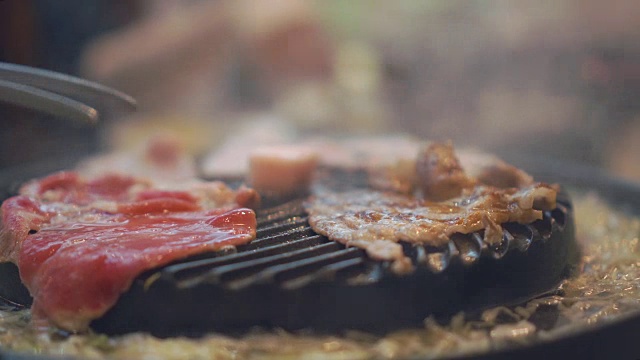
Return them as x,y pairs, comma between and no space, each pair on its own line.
282,170
368,219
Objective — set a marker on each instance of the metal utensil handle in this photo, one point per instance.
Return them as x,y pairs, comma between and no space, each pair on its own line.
47,102
71,86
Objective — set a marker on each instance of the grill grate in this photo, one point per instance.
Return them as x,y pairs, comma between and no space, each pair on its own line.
291,277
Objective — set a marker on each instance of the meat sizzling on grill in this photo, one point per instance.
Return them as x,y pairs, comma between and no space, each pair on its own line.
79,243
51,230
436,199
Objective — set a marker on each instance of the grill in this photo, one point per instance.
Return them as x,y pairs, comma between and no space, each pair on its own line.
290,277
615,338
293,278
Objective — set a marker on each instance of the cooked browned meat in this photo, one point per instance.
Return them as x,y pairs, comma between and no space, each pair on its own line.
444,174
426,199
376,221
439,173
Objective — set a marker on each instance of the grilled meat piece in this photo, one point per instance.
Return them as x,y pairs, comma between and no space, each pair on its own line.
447,201
439,173
377,221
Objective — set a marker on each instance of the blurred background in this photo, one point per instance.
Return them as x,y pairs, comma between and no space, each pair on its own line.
552,78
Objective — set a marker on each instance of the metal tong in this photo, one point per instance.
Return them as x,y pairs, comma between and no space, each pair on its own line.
59,94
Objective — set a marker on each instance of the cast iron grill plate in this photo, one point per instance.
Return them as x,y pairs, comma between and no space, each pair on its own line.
293,278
